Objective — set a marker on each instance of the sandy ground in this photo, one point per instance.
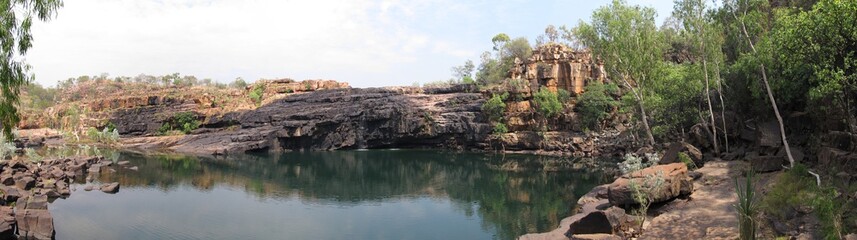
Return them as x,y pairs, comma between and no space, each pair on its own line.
708,213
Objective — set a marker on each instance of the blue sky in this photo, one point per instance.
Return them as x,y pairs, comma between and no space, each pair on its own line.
363,42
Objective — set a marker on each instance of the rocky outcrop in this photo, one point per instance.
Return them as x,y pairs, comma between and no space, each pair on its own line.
659,183
595,219
30,185
342,119
555,66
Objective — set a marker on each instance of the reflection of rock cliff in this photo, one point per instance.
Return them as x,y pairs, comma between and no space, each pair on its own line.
503,199
558,67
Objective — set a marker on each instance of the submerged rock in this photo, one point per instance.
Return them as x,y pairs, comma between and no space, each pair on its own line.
675,179
110,187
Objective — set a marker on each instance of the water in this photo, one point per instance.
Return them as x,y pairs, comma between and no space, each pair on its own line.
375,194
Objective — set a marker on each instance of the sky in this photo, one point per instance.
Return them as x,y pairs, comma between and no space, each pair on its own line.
363,42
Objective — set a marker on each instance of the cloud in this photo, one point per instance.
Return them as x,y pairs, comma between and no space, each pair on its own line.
364,42
224,39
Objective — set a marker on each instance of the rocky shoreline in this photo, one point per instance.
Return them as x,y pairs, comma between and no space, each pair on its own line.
29,186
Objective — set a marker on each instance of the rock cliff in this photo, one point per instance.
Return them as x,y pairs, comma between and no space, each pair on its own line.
331,119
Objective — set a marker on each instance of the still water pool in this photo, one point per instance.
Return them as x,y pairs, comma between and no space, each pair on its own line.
377,194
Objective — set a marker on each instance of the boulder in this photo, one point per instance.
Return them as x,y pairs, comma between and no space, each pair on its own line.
767,163
34,202
671,155
828,156
609,221
88,188
676,182
768,134
110,187
10,194
35,224
6,179
7,223
25,183
63,189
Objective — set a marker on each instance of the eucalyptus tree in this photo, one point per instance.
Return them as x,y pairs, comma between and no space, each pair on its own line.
700,31
16,19
627,40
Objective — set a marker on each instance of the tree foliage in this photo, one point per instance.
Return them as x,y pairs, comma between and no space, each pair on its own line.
547,103
816,53
596,103
629,43
16,19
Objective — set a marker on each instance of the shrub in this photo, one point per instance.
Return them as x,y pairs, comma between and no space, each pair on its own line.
184,122
257,93
633,163
547,103
683,157
494,107
500,128
595,104
796,188
7,149
563,95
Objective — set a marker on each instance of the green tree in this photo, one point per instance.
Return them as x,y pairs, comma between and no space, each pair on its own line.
596,103
547,103
628,41
733,9
816,53
700,32
16,18
464,73
494,69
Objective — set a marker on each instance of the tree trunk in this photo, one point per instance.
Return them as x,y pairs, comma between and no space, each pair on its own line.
770,95
639,97
710,109
722,107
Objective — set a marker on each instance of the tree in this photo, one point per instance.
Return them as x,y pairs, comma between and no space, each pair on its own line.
551,33
499,40
16,18
628,41
699,31
464,73
238,83
817,52
736,7
493,69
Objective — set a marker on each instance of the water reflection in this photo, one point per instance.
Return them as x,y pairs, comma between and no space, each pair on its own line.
508,203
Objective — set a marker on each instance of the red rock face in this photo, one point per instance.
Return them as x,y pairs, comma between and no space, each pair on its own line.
556,66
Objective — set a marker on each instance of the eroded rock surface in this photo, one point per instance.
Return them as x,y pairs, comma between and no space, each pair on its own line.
675,182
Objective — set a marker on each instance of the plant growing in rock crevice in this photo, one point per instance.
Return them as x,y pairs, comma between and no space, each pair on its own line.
644,194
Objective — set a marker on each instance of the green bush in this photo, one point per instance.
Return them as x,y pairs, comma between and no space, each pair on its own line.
500,128
184,122
494,107
547,103
563,95
257,93
797,188
596,103
683,157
